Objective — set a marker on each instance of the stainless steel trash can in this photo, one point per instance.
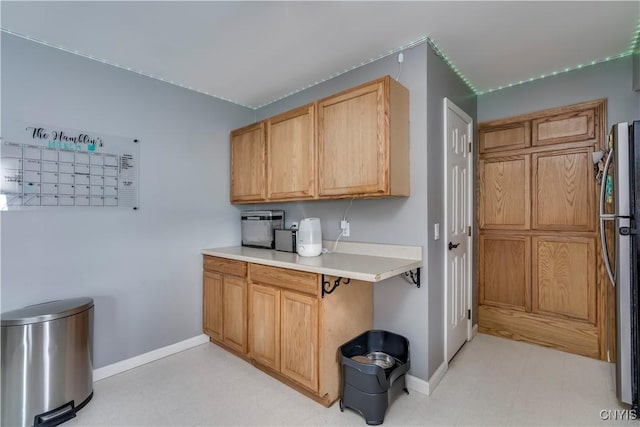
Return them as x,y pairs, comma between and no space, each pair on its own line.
47,362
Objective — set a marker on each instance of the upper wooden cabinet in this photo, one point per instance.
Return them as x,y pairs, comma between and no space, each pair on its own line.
363,141
504,137
291,166
571,126
564,190
352,144
248,165
504,193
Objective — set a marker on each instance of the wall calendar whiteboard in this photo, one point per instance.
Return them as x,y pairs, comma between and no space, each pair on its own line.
49,166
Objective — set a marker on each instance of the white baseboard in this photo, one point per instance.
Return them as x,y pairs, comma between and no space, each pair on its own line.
474,330
436,377
417,384
143,359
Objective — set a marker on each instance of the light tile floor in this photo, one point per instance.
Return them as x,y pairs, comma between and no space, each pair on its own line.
491,382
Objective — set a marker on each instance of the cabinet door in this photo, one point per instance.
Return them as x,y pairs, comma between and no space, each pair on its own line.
234,325
299,339
505,271
353,142
212,305
563,190
564,277
504,187
291,154
572,126
264,325
509,136
248,164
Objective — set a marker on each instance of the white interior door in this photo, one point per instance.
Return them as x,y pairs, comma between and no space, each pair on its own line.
458,241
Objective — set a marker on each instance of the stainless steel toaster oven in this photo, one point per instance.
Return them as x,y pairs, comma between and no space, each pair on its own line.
258,228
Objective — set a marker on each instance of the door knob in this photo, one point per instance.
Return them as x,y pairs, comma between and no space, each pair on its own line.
452,246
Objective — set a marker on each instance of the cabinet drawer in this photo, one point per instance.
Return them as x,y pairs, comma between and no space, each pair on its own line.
284,278
227,266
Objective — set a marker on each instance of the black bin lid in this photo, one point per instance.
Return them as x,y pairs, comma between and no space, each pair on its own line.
46,311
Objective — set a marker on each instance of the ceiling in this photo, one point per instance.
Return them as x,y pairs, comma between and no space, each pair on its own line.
253,53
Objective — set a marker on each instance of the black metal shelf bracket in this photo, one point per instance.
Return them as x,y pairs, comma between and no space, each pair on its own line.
415,277
328,286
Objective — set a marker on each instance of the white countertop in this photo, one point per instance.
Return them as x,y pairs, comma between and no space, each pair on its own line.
347,264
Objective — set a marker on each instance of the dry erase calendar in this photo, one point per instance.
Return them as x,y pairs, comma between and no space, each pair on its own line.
49,166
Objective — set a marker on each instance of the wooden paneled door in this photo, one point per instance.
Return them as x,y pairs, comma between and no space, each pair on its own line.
264,325
234,313
299,338
248,165
212,305
539,270
352,150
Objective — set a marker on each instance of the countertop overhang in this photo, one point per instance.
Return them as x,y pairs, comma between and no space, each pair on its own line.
358,261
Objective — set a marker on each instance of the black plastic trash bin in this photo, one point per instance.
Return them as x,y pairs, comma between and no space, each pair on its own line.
374,365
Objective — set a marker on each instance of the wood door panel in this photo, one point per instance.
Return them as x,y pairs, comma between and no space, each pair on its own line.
248,166
212,305
562,334
225,266
291,154
508,137
504,193
568,127
505,271
234,325
299,281
299,338
563,187
352,142
264,325
564,277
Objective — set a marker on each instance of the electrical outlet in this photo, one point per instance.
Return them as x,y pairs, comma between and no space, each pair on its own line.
344,226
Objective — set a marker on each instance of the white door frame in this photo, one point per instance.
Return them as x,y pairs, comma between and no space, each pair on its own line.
448,104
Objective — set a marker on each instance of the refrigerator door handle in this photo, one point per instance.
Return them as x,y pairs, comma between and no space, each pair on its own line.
606,217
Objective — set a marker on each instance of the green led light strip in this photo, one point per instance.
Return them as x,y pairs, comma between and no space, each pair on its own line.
446,59
410,45
104,61
633,45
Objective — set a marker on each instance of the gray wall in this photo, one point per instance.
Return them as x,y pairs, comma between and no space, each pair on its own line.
142,268
441,82
398,306
612,80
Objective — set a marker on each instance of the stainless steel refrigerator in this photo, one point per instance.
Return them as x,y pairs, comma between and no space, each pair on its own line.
620,204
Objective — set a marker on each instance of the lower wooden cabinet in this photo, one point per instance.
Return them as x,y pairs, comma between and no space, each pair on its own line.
540,288
564,275
224,302
264,325
299,337
212,305
291,331
234,312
